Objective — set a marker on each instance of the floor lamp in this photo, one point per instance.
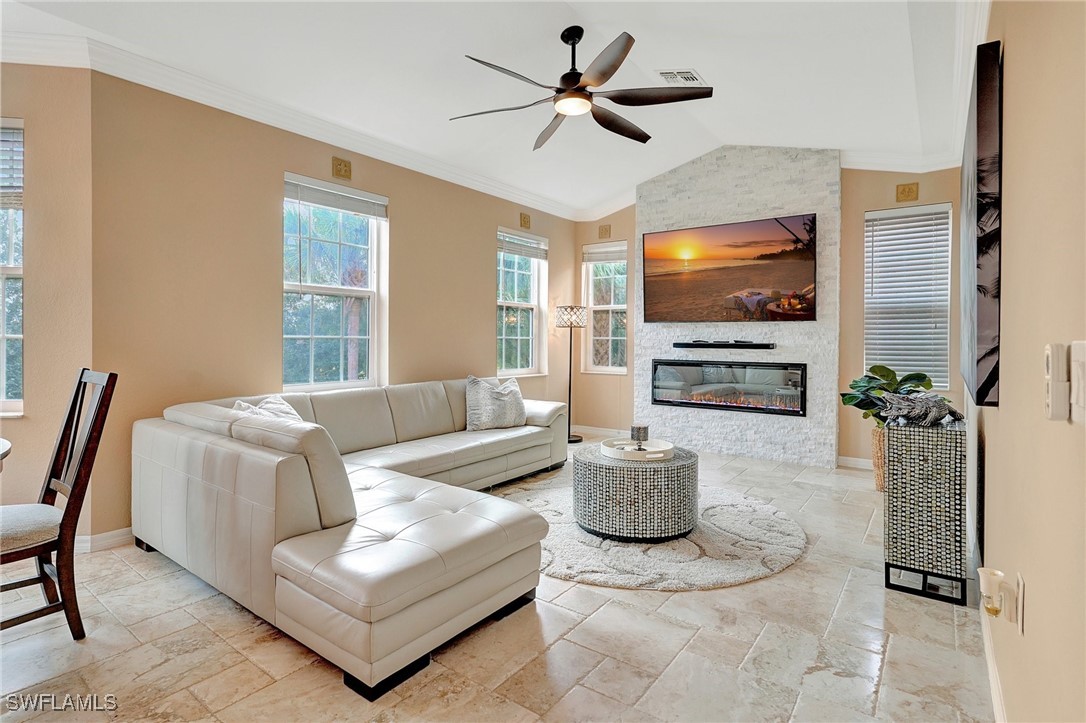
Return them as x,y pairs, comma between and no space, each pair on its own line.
571,317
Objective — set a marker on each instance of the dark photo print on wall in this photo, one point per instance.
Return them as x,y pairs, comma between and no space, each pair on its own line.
980,233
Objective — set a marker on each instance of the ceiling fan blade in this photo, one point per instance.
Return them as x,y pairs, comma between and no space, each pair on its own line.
548,131
607,62
653,96
617,124
512,74
501,110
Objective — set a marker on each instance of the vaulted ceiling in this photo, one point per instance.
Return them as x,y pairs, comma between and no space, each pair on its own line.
884,82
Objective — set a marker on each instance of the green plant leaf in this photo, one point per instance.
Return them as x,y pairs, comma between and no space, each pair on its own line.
884,372
914,378
850,399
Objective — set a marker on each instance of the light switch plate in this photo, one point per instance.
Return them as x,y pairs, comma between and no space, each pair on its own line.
1078,382
1020,605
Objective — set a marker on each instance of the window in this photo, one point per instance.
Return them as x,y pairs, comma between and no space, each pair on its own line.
330,239
11,266
604,285
907,291
522,265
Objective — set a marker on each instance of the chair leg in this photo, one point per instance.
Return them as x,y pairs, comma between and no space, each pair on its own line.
66,577
48,588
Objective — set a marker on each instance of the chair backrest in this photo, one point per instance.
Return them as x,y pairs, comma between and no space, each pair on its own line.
77,446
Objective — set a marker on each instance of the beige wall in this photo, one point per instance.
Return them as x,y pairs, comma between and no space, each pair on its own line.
1035,470
863,191
604,400
186,271
55,105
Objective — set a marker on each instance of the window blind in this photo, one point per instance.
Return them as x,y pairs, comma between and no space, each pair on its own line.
356,201
907,290
11,167
521,246
604,253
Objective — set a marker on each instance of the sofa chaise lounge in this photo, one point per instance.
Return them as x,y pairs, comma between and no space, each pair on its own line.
357,531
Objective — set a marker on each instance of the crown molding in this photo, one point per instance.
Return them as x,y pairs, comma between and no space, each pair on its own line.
78,52
600,210
900,163
66,51
83,52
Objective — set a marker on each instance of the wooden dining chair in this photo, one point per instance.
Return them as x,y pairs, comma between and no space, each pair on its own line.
37,531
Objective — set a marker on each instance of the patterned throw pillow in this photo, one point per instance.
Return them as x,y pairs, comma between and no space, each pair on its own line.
491,407
718,375
273,406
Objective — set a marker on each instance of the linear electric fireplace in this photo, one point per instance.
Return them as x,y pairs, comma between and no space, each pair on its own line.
761,387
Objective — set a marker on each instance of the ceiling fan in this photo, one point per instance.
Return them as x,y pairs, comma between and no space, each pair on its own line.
573,97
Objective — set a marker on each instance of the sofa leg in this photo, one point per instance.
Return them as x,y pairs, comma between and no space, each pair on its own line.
144,546
510,608
372,693
556,465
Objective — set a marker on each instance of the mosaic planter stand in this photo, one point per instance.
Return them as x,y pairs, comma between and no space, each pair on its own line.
925,535
635,501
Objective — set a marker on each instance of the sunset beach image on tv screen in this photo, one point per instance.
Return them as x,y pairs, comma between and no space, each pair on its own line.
751,271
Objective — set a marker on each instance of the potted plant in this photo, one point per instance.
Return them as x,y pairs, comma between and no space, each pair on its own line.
866,394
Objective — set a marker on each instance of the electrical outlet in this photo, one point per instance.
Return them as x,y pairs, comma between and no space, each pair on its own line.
525,221
605,231
1020,604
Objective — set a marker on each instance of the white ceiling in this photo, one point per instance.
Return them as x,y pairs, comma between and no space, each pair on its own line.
885,82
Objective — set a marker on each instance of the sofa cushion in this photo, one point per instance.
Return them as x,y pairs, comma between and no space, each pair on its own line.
492,406
766,376
446,451
419,410
412,538
356,418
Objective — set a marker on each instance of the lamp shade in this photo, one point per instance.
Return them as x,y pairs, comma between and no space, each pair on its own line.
571,317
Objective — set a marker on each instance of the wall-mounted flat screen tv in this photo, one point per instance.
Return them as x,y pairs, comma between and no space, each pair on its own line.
750,271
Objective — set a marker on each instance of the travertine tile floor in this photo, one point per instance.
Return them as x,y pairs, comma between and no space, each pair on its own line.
821,641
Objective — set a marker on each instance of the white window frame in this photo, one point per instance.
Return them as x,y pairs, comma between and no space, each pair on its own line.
377,241
536,304
12,407
588,340
907,290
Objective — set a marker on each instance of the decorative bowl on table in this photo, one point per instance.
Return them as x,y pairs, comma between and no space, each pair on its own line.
651,450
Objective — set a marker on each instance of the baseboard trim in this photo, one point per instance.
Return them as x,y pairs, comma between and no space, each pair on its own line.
998,710
596,431
855,463
103,541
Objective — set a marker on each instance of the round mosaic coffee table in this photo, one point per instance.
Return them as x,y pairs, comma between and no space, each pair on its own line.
635,501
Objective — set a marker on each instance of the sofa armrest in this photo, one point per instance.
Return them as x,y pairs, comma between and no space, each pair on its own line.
539,413
204,415
330,484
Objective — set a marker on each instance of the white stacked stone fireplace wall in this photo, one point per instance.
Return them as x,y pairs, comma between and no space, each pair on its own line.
744,183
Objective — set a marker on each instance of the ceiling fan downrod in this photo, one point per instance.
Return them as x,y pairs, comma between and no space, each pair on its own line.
571,36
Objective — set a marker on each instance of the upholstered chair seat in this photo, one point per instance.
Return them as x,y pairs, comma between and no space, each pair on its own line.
28,525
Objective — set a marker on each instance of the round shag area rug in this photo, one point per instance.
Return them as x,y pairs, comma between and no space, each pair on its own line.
737,539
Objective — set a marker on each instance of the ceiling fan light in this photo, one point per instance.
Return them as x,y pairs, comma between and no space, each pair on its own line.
573,103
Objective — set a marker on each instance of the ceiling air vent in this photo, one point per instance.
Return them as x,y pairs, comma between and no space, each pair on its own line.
681,77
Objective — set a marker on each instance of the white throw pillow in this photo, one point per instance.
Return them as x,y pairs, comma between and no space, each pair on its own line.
273,406
494,407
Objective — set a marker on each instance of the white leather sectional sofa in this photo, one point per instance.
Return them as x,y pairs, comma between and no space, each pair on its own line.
357,531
